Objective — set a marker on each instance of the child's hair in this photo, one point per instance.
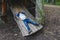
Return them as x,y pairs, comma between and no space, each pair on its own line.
17,9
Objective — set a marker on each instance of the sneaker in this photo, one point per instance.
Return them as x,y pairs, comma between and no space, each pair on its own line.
29,31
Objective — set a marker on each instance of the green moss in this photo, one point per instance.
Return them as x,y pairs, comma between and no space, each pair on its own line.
42,14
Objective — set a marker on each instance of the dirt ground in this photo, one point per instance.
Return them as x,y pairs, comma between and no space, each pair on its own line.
51,30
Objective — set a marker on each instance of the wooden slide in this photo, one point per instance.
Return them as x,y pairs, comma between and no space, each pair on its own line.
21,25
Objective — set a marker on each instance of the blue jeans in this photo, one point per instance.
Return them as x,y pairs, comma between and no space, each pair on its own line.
26,21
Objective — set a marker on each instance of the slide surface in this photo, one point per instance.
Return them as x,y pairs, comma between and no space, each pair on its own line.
21,25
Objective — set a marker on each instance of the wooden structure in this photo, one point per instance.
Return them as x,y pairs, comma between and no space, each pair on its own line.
33,9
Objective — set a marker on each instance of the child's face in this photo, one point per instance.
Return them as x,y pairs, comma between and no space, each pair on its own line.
17,10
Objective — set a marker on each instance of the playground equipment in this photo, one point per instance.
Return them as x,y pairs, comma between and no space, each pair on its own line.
34,11
21,25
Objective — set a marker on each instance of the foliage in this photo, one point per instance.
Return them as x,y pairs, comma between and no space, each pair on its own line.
57,2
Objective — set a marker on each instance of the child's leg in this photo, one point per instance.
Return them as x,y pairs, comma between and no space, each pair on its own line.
32,22
27,26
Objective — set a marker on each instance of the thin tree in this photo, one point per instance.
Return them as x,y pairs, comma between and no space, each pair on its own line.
53,2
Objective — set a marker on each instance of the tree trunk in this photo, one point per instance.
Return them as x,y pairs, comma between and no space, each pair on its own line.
4,7
53,2
0,8
39,11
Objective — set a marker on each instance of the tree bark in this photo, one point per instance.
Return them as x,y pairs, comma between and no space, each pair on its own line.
39,11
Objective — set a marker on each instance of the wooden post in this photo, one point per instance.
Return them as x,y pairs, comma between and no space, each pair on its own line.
4,7
25,3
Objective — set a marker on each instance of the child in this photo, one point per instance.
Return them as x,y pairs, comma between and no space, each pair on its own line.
26,20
